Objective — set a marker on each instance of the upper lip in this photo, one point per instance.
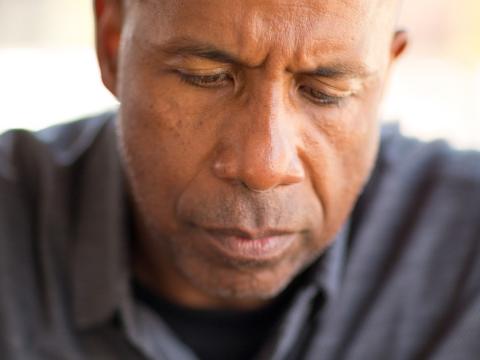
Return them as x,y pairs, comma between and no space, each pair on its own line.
246,233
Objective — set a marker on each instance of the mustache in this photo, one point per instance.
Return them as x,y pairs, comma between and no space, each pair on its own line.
243,209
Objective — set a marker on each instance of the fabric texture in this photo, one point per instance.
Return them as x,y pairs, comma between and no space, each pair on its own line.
218,334
402,280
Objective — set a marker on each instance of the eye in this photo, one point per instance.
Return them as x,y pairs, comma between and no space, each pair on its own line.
320,97
207,81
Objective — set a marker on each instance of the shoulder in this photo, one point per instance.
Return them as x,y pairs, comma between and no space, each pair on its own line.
37,169
60,144
415,174
429,191
416,243
27,158
430,185
36,164
41,185
406,156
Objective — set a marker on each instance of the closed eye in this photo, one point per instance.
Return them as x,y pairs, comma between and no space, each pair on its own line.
321,98
207,80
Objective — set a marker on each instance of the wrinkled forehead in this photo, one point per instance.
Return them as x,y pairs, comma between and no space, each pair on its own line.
255,28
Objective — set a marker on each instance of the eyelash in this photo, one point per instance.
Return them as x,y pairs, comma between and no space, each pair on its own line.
220,79
206,81
321,98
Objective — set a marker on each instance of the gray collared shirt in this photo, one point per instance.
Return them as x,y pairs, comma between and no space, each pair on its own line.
402,280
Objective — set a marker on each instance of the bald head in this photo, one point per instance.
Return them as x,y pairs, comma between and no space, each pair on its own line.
394,5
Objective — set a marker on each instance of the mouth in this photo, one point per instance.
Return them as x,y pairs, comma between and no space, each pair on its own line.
245,245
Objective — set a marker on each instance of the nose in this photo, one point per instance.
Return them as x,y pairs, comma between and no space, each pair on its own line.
260,150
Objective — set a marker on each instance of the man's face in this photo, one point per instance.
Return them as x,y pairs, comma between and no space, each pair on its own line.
248,129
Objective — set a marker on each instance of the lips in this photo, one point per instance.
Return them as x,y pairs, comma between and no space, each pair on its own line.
258,245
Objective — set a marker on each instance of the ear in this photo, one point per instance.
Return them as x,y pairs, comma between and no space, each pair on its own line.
397,48
399,44
108,28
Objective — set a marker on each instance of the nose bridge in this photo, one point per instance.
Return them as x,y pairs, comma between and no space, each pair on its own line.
264,155
266,144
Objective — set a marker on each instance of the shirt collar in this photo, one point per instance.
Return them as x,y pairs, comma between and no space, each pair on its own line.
99,266
332,265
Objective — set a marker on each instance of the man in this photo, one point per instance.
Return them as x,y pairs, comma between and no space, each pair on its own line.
254,220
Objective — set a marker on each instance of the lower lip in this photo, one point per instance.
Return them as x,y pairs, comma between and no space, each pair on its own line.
266,248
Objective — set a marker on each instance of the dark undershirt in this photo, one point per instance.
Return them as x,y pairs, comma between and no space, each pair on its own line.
217,334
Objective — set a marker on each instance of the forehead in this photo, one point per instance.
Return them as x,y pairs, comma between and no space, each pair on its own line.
255,29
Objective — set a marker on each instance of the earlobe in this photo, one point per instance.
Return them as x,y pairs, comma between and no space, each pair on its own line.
399,43
108,21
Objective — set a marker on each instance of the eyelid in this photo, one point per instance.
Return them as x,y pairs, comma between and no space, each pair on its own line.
202,72
205,80
329,90
339,87
321,98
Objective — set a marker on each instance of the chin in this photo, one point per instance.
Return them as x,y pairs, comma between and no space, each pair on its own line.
240,286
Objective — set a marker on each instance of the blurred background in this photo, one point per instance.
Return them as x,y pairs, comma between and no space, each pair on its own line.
48,70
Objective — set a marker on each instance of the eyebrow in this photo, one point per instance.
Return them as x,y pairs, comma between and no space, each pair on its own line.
341,70
187,47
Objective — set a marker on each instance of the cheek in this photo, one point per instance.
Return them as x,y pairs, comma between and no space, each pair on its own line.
162,147
156,140
342,144
168,134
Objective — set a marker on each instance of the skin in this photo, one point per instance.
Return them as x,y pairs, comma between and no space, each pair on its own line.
244,117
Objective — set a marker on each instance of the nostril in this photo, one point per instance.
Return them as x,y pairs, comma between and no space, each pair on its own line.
252,187
259,179
263,178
